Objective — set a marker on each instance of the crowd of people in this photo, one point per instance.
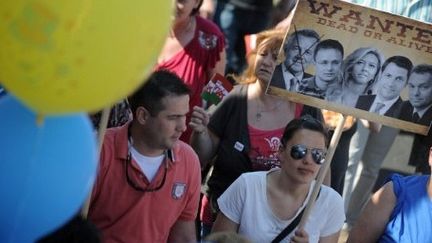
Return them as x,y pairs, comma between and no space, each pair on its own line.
264,151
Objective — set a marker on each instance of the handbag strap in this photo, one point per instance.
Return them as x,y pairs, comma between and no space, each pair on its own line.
291,226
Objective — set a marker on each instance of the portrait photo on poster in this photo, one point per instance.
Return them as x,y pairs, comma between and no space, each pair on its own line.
358,61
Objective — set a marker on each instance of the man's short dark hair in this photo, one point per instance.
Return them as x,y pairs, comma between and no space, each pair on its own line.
423,69
329,44
400,61
159,85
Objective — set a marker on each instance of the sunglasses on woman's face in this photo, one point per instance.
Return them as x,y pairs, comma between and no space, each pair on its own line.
299,151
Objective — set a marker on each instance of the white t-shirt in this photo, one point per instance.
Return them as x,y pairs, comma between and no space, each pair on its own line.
148,165
245,203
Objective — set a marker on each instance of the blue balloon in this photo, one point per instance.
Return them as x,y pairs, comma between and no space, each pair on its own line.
47,169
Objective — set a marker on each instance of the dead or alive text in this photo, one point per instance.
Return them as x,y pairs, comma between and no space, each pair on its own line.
371,26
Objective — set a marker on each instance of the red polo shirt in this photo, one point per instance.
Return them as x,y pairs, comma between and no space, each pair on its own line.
124,214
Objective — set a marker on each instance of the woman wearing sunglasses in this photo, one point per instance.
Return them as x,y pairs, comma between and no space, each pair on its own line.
259,205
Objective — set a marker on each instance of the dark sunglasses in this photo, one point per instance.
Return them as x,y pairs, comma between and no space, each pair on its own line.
299,151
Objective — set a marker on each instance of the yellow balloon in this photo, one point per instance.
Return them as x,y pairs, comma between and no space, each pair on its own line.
78,55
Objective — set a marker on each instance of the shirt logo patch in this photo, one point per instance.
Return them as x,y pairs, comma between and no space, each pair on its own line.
178,190
207,41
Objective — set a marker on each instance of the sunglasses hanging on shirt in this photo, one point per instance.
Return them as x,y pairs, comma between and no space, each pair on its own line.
128,163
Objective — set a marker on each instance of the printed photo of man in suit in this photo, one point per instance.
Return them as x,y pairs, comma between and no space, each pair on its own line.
299,49
387,101
418,109
328,57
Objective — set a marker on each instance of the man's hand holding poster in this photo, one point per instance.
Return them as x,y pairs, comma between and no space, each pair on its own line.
358,61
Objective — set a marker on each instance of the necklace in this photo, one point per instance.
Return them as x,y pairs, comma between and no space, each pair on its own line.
179,31
260,110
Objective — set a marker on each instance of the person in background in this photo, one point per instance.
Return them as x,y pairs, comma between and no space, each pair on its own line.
148,184
259,205
236,19
243,133
299,50
194,50
394,75
400,211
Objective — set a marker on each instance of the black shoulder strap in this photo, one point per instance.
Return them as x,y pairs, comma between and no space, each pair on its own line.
291,226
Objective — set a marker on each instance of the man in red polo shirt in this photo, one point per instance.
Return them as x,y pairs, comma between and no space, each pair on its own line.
148,184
